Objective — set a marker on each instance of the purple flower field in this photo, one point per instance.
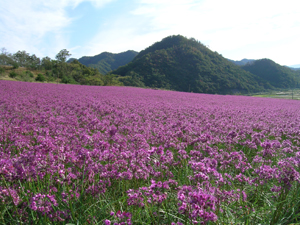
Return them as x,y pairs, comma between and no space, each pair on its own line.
120,155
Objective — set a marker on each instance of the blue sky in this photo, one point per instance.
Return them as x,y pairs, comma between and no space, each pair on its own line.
236,29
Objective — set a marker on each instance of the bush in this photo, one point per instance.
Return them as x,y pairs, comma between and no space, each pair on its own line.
68,80
50,79
15,65
13,74
2,70
48,74
29,73
40,77
25,76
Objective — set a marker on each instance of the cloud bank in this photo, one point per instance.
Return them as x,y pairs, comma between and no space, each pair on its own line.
37,26
236,29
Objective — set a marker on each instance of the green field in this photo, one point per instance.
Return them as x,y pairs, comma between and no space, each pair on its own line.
283,94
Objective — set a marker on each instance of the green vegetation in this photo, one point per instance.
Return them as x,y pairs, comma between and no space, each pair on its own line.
30,74
40,77
24,67
283,94
175,63
183,64
2,70
106,62
13,74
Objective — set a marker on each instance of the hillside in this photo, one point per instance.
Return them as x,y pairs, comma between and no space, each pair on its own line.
58,72
183,64
277,75
106,61
22,74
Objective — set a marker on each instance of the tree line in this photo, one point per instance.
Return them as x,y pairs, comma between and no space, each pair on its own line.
52,70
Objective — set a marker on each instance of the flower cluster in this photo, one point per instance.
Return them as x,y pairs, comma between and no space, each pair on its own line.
8,194
138,150
197,203
156,193
120,218
43,203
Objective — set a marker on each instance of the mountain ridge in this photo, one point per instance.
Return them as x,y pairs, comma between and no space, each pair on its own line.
183,64
295,66
106,61
242,62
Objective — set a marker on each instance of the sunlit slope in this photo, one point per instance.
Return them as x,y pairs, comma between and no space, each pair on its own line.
183,64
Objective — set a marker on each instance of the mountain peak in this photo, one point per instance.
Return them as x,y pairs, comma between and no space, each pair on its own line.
169,42
183,64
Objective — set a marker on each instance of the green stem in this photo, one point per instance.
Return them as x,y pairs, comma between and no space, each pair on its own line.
15,207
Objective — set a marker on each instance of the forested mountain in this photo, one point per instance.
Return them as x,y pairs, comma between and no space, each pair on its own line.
277,75
183,64
242,62
106,61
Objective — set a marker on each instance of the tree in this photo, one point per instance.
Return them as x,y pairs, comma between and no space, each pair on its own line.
34,62
61,58
63,55
4,51
47,63
6,60
22,58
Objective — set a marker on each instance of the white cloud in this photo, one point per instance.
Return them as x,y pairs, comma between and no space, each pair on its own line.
227,26
25,24
118,36
237,29
139,28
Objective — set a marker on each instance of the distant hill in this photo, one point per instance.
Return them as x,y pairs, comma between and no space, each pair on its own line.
183,64
106,61
277,75
242,62
295,67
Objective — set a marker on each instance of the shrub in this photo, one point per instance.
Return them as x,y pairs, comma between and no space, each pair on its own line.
29,73
13,74
68,80
2,70
40,77
15,65
50,79
48,74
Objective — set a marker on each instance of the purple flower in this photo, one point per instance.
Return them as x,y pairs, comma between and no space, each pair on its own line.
107,222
